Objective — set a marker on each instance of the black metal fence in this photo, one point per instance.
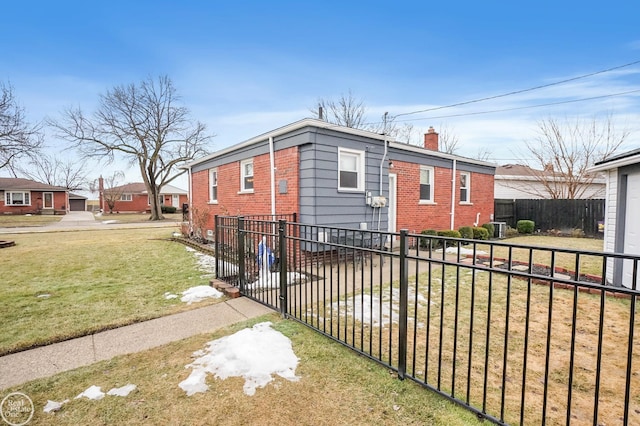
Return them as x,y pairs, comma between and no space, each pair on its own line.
516,334
560,215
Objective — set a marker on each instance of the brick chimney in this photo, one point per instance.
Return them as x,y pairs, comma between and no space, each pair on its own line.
431,139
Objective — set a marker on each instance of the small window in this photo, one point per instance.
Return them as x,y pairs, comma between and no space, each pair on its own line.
213,185
126,197
17,198
350,170
246,175
426,184
465,187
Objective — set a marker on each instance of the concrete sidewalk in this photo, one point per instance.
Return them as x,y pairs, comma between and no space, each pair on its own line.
45,361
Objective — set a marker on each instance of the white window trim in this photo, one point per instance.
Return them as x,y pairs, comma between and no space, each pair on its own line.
129,196
242,176
211,173
360,169
467,187
431,171
9,194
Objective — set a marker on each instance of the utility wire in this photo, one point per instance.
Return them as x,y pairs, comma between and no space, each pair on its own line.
519,91
518,108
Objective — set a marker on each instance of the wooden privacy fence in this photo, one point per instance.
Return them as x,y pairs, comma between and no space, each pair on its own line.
562,215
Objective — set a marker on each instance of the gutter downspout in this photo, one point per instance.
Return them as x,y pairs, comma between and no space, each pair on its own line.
453,194
273,178
190,198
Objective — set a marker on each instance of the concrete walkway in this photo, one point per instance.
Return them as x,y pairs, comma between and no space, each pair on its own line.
45,361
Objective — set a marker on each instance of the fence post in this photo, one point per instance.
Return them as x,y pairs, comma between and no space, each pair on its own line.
404,287
241,253
216,247
282,235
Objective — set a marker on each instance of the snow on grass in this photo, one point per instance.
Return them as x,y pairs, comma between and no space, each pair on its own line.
199,293
272,280
464,251
253,353
122,391
169,295
92,392
207,263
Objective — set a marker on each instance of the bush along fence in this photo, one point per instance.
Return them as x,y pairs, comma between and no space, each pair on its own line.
516,334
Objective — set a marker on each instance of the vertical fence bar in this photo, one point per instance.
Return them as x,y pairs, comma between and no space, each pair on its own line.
282,226
216,247
241,265
404,293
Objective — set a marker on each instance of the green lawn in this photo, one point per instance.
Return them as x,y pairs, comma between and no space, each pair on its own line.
61,285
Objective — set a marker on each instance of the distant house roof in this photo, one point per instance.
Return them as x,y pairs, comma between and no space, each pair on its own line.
620,160
523,172
73,196
140,188
27,185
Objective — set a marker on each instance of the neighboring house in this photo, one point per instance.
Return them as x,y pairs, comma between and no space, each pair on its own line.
25,196
621,224
133,197
77,202
337,176
517,181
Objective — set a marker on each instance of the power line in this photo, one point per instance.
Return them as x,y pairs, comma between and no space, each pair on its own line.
519,91
519,108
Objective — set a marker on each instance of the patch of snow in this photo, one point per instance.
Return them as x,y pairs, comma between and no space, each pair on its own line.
92,392
207,263
465,251
198,293
122,391
272,279
168,295
109,222
176,234
53,406
44,296
253,353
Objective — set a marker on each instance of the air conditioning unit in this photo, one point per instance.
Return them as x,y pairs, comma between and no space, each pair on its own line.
500,229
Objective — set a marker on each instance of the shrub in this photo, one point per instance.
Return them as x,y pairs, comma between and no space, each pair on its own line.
525,226
424,242
168,209
490,228
480,233
466,232
451,233
511,232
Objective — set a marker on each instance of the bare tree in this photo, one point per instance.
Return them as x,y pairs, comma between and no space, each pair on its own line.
57,172
143,123
110,188
347,111
564,150
17,137
448,140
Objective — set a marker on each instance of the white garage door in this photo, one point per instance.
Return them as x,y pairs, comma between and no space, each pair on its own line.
632,228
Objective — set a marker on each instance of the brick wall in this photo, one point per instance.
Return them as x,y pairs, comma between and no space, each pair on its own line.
417,217
232,202
59,204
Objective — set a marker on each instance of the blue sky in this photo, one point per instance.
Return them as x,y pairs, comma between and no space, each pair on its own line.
246,67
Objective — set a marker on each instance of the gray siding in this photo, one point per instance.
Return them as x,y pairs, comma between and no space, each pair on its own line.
321,203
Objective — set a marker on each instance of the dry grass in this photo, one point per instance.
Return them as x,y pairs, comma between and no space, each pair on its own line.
19,221
94,280
336,387
461,321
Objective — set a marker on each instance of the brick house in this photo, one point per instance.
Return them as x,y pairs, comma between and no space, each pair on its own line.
338,176
133,197
25,196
